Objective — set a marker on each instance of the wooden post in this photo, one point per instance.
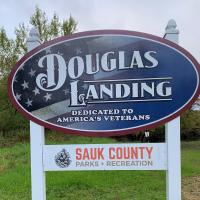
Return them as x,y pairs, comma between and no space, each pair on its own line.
172,137
37,140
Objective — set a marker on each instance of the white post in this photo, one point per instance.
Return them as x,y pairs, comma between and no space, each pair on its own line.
37,140
172,137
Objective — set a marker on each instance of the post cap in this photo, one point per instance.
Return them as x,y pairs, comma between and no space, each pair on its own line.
34,35
34,32
171,27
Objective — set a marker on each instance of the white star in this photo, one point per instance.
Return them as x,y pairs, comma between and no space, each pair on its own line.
47,97
60,53
78,51
66,91
15,79
32,72
48,50
29,102
18,96
22,67
85,87
36,91
24,85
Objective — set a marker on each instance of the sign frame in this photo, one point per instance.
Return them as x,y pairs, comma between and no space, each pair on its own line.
102,133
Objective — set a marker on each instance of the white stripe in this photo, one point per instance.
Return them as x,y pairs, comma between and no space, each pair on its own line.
53,110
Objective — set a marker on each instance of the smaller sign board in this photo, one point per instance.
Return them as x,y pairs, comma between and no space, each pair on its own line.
145,156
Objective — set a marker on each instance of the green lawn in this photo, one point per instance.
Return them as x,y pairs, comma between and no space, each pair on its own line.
95,185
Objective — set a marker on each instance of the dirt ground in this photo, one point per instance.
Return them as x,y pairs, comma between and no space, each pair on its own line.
191,188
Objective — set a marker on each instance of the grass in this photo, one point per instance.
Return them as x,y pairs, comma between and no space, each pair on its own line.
191,158
104,185
15,181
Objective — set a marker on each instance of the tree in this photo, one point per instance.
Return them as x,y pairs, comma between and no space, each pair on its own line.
69,26
12,49
54,28
8,54
190,121
21,33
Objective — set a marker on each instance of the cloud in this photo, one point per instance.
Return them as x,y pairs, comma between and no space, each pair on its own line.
144,15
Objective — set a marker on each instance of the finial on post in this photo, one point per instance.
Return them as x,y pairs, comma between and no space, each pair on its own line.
171,31
34,39
171,27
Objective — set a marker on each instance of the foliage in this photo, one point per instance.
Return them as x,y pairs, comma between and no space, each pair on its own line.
21,33
8,55
190,125
190,120
9,118
69,26
12,49
54,28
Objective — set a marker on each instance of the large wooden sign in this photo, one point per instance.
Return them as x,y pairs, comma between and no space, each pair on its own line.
104,83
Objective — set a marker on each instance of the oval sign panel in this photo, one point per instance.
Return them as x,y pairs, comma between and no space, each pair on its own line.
104,83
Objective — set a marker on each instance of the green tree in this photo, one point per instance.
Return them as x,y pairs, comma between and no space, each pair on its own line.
190,121
69,26
8,54
53,28
21,33
12,49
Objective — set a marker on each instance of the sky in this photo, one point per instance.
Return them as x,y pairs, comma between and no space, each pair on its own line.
149,16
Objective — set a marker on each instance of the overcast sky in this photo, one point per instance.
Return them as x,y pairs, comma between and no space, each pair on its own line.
150,16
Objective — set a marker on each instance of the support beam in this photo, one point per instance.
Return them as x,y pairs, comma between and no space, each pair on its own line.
172,137
37,140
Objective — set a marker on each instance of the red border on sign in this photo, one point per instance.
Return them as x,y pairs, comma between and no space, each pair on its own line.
102,133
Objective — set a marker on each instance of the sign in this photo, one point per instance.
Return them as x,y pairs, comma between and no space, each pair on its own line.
105,157
104,83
